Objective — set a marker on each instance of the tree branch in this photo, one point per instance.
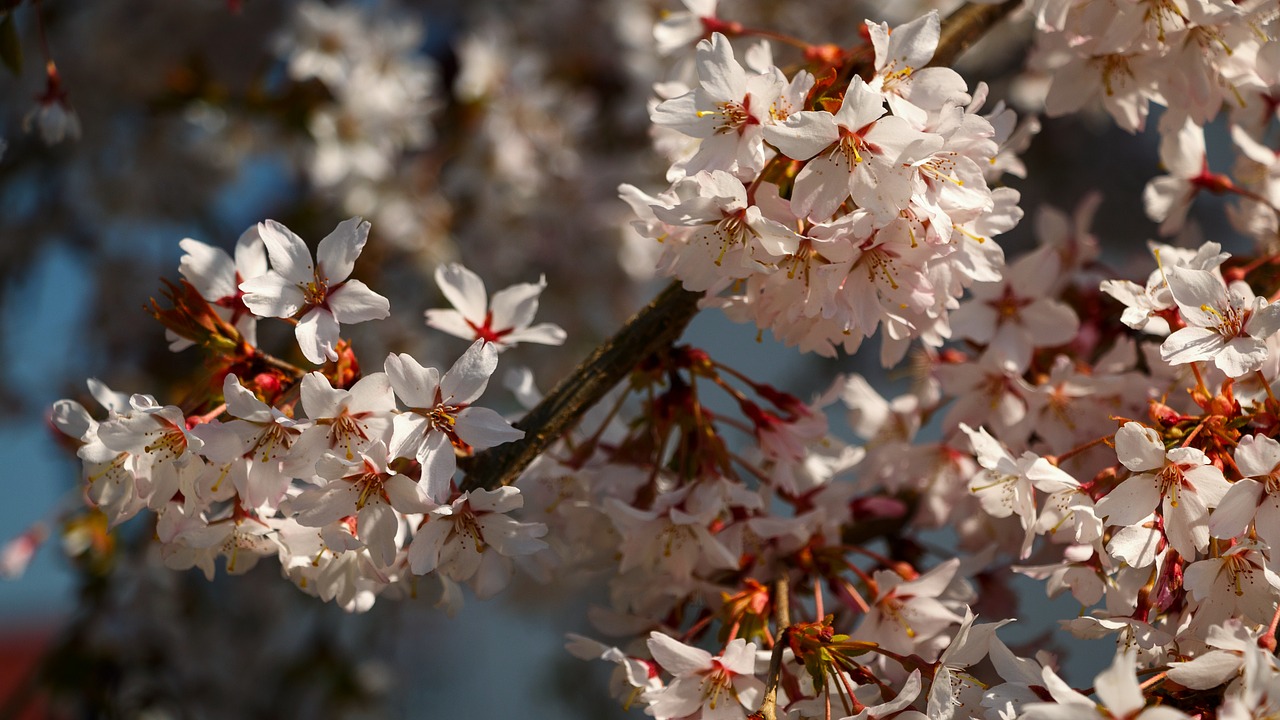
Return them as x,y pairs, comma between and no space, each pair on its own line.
659,323
656,325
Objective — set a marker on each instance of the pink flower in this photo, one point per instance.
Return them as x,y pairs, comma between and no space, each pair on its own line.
720,686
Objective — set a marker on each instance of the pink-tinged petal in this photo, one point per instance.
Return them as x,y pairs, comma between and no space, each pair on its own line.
1257,455
721,76
439,463
272,295
408,430
469,376
483,428
415,385
464,290
1237,509
354,302
681,114
460,558
739,657
317,334
1207,671
861,107
514,307
1197,292
210,270
319,398
1240,356
318,507
675,657
804,134
451,322
682,698
975,320
1049,322
1199,578
499,500
424,552
1191,344
1186,524
1207,480
337,253
1139,448
1264,322
915,42
221,443
1135,545
822,186
541,334
371,394
377,525
492,576
241,403
289,255
1131,501
509,537
406,495
1117,686
251,254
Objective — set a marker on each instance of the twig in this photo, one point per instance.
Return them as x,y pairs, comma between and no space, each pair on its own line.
656,325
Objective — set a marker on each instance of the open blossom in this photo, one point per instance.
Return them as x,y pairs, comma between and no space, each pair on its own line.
719,686
901,75
260,434
319,290
1228,325
366,489
217,277
1179,481
504,320
727,111
860,154
473,538
441,417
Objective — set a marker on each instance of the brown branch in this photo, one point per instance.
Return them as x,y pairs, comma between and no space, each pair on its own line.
966,26
659,323
656,325
782,618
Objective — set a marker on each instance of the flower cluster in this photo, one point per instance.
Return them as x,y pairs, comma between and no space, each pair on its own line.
347,478
832,209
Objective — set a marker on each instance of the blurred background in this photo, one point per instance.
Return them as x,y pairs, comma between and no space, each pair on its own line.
493,132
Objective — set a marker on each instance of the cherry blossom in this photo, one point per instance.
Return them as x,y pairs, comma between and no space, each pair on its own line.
1227,325
1180,481
720,686
441,417
505,322
319,290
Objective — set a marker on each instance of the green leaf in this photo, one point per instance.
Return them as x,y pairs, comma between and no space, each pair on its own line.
10,48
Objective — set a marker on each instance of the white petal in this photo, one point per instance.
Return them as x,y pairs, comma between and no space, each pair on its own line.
483,428
469,376
413,384
272,295
317,334
354,302
337,253
289,254
675,657
464,290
